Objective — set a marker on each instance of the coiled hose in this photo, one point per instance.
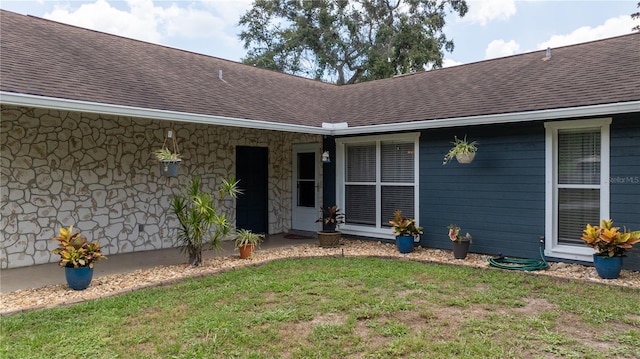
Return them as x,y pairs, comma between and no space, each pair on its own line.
520,264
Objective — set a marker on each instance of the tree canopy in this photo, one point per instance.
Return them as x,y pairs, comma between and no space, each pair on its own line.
347,41
635,16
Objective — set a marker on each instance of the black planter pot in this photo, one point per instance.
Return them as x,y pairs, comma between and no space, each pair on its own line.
460,249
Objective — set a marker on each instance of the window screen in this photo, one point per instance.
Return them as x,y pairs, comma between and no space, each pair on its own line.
578,182
397,164
379,178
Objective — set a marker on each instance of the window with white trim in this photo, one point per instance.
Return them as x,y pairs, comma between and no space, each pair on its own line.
577,191
375,176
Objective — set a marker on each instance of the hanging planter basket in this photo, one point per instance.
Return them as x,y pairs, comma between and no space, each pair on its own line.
466,157
462,150
169,168
169,160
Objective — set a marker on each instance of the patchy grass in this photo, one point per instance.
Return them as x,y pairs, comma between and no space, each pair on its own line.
341,307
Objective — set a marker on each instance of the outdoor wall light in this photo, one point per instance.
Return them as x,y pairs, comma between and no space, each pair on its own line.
325,157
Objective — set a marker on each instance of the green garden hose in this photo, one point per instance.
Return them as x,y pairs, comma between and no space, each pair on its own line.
520,264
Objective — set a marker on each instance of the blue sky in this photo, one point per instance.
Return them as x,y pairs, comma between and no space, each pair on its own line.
492,28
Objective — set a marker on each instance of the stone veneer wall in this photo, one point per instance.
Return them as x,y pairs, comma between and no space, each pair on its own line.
97,172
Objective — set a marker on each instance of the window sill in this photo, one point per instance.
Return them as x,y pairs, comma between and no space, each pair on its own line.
577,253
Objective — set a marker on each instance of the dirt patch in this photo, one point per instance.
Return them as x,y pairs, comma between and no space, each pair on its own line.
329,318
535,306
296,334
572,326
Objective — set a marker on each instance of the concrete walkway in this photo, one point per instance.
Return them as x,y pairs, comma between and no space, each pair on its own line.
49,274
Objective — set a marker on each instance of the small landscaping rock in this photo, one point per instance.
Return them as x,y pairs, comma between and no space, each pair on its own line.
51,296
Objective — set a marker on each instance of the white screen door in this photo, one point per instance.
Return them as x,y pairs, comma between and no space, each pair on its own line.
305,187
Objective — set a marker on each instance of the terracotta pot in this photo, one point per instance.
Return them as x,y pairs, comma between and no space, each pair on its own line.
246,251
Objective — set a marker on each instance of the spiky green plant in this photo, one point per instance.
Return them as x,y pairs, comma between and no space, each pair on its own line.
164,154
201,217
460,147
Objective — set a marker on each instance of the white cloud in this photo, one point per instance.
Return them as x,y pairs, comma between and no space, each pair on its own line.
612,27
450,62
484,11
101,16
143,20
501,48
190,23
229,10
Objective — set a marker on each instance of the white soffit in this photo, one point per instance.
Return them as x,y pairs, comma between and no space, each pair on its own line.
541,115
109,109
336,129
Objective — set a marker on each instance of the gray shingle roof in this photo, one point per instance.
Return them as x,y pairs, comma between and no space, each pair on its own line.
46,58
598,72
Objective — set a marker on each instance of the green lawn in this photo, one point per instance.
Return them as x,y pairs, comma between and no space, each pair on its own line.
341,307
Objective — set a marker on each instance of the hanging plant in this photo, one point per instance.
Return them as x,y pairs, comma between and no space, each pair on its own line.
169,160
462,150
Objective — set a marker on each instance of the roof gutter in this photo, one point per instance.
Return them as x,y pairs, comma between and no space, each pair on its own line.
340,129
17,99
528,116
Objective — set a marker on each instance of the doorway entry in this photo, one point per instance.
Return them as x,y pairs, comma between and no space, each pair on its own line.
305,209
252,169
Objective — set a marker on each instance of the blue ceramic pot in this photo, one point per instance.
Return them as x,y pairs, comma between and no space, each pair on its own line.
78,278
607,267
405,244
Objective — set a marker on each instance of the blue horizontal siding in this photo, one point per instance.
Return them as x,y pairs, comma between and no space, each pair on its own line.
625,178
498,198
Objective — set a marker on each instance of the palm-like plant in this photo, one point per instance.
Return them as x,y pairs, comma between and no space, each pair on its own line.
201,218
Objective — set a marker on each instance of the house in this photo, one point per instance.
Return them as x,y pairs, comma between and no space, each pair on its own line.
83,111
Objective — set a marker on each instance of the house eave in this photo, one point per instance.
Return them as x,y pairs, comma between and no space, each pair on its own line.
119,110
527,116
18,99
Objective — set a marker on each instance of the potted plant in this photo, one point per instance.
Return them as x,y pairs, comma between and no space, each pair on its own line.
462,150
247,242
201,217
460,243
169,162
610,245
331,218
77,256
405,230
